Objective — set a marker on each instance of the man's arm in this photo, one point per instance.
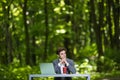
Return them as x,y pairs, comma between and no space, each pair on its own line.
56,67
71,66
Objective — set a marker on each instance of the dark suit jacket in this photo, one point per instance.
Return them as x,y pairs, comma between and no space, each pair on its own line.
70,69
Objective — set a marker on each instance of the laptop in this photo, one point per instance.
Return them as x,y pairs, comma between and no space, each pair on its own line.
47,68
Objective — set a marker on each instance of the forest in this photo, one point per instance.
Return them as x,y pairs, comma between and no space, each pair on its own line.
32,30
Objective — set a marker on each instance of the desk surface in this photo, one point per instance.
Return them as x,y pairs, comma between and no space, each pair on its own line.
59,75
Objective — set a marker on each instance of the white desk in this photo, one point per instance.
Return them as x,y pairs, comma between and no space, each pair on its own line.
59,75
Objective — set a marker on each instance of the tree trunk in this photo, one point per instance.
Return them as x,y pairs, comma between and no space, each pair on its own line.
67,39
33,57
8,54
67,45
97,30
27,55
92,35
109,22
116,15
75,45
46,30
99,36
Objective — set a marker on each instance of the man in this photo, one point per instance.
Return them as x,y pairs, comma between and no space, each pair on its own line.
63,65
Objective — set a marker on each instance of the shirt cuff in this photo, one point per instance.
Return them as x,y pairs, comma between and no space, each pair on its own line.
67,64
59,64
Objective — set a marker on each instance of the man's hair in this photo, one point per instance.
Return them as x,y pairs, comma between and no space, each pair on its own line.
60,49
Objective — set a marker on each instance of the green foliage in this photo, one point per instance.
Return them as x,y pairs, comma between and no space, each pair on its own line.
86,62
89,51
101,76
14,71
112,59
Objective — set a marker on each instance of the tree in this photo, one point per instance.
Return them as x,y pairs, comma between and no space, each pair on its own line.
28,55
97,29
46,29
8,38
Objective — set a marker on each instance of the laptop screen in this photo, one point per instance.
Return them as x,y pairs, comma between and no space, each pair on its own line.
47,68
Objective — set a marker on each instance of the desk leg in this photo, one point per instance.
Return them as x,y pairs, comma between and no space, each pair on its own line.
30,78
88,78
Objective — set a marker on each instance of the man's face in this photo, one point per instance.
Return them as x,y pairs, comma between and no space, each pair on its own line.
62,54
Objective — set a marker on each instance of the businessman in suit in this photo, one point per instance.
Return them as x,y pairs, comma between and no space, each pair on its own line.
63,62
